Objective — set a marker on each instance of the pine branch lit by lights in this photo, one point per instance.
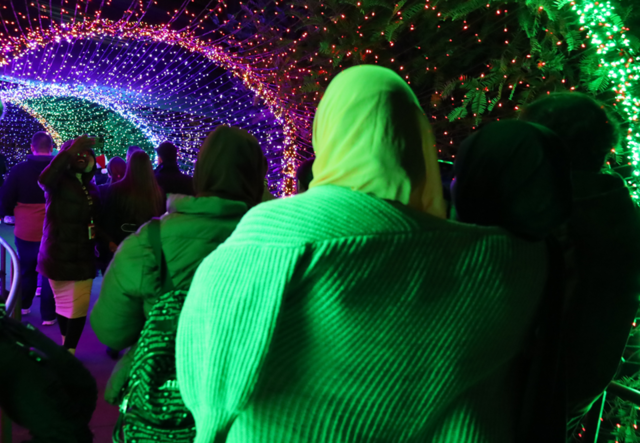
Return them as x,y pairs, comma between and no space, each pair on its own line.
618,68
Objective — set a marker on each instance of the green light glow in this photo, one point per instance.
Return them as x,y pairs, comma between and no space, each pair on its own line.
67,117
605,29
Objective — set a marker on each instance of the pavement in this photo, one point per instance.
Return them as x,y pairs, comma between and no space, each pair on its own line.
90,352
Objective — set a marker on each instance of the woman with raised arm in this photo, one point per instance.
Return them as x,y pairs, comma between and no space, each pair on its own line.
67,252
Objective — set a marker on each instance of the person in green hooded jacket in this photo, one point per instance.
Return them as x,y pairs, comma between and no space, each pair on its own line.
228,180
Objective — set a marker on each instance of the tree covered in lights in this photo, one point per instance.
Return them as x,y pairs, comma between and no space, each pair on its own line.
469,62
170,70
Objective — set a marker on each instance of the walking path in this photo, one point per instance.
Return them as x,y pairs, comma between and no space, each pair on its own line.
90,352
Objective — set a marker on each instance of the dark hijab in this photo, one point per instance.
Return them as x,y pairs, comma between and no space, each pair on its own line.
515,175
116,168
230,165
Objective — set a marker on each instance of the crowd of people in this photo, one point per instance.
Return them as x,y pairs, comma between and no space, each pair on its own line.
367,308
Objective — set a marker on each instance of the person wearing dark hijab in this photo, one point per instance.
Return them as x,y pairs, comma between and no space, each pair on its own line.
116,169
228,180
516,175
601,244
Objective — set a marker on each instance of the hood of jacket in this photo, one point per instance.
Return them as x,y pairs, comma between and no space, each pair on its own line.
209,205
231,165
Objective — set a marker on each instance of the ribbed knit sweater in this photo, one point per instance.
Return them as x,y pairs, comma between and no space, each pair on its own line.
338,317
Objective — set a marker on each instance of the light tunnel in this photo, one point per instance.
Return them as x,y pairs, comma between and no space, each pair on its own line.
145,85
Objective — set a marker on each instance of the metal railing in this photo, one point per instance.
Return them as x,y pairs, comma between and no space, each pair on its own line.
13,305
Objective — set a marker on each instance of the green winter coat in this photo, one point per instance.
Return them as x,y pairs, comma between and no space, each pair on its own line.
191,230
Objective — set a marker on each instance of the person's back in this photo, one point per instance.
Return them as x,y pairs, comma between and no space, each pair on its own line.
133,200
22,196
168,174
372,339
604,231
354,312
516,176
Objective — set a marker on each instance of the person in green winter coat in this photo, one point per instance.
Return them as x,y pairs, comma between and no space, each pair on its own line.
228,180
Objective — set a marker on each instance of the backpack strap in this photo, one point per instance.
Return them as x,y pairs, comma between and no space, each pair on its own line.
156,244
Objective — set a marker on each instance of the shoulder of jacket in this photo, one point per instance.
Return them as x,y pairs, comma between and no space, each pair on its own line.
20,166
300,220
138,242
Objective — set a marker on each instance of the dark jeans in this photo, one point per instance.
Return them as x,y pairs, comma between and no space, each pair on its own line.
71,329
28,254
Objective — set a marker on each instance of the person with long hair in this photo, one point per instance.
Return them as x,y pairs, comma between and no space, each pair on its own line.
67,251
132,201
116,169
355,312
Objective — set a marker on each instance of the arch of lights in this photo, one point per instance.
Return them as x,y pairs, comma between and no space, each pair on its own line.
136,105
20,96
603,25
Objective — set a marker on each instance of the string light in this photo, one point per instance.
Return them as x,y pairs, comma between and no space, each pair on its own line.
16,130
168,84
619,62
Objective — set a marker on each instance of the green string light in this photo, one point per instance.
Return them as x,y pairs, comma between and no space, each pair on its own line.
606,31
68,117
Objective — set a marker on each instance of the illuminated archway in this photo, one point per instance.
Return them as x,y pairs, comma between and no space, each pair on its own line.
620,64
128,101
24,97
